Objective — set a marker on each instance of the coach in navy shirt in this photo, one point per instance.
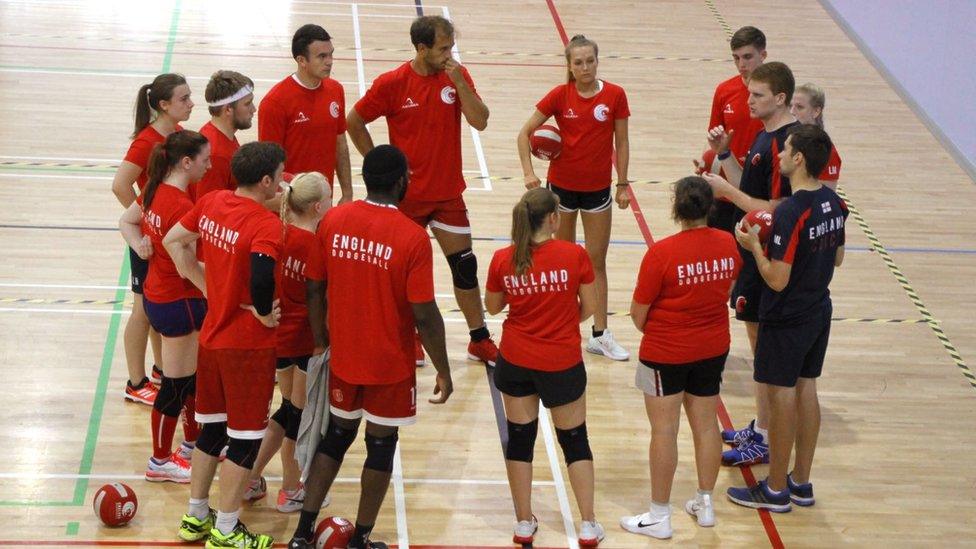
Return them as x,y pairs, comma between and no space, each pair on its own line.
806,243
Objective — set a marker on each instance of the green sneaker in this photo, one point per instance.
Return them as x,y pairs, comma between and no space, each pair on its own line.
194,529
240,538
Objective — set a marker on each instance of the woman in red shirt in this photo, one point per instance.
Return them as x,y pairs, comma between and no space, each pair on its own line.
173,305
304,201
807,106
168,98
680,306
548,285
592,116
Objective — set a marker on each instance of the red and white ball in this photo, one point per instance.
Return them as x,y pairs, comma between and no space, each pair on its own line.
761,218
709,163
333,533
115,504
545,142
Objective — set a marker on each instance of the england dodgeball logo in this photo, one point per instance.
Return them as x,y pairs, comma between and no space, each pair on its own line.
128,509
448,95
334,109
600,112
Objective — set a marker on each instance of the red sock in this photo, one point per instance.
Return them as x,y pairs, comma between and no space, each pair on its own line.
163,428
191,429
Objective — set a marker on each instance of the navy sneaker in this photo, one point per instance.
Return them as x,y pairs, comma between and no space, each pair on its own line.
733,437
751,451
800,494
760,497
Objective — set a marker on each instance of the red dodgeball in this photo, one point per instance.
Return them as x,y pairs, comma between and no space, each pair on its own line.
763,219
115,504
546,142
333,533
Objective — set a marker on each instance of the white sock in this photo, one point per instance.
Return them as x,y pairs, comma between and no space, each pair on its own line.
704,493
227,521
660,509
764,433
199,508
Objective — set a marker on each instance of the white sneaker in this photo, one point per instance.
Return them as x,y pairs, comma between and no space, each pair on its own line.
648,525
256,489
701,507
606,346
591,534
175,470
525,531
185,451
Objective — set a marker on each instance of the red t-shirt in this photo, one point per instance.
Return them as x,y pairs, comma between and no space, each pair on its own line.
219,176
375,262
141,148
231,227
305,122
685,278
294,334
730,108
542,330
164,283
831,171
586,129
424,117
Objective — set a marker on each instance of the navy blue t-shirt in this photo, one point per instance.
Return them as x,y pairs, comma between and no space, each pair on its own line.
808,228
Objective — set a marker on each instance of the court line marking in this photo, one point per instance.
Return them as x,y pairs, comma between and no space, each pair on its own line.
82,72
545,424
341,480
124,312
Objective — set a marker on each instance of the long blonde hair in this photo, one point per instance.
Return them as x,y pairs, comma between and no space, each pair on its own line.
301,194
578,41
527,217
818,99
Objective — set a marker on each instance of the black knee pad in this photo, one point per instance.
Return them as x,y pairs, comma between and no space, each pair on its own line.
379,452
294,420
168,401
213,438
521,441
336,441
464,269
243,451
576,447
281,414
186,387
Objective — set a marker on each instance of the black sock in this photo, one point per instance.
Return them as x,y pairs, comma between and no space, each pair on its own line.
360,536
597,333
306,525
480,334
139,385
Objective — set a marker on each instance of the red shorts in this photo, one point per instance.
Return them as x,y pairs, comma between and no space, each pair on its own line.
447,215
392,405
236,386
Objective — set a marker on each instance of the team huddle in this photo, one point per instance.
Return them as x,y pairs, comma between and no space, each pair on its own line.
247,270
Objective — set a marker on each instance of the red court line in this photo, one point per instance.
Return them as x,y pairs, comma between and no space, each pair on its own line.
771,532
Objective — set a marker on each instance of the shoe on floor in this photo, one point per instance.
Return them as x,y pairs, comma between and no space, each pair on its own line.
144,393
647,524
607,346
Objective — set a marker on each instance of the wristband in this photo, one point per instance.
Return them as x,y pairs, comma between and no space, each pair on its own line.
623,184
724,155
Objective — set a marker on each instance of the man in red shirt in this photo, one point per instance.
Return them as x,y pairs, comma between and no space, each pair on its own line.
423,101
305,112
241,241
378,268
230,100
730,110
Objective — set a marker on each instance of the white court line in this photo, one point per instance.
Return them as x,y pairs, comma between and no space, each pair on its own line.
125,74
55,176
346,480
373,15
78,286
475,135
557,475
128,311
360,71
399,499
411,6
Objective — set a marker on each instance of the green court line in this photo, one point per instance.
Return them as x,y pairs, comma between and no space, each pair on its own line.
71,529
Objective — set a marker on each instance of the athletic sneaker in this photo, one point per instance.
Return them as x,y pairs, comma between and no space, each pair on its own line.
484,351
701,508
256,489
648,524
175,470
760,497
418,349
605,345
156,377
240,538
752,451
185,451
733,437
194,529
290,501
144,393
591,534
525,531
300,543
800,494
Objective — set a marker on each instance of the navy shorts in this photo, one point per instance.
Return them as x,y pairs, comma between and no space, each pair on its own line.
138,269
586,201
747,291
554,388
176,318
786,353
285,362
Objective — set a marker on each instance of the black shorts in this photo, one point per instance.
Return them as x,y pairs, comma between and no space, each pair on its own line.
586,201
722,216
786,353
553,388
700,378
746,292
285,362
176,318
138,269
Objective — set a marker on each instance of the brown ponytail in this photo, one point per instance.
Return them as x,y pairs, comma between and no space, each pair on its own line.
166,156
527,217
149,96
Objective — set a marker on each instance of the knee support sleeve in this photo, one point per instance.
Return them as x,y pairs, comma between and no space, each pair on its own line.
243,451
521,441
281,414
336,441
464,269
213,438
575,444
294,420
168,401
379,452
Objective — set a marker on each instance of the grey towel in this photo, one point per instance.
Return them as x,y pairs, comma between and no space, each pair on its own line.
315,417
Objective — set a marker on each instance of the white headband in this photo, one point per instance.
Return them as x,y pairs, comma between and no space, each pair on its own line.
241,94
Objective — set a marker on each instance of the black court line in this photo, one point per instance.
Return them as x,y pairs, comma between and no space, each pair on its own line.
420,7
